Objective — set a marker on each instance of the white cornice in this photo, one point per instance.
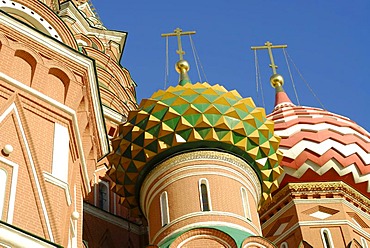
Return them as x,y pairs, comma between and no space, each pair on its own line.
15,238
113,115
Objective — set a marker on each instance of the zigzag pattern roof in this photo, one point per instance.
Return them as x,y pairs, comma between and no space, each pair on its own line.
315,140
189,117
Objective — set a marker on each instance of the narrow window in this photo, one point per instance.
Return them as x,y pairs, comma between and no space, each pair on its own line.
364,243
247,210
326,238
284,245
3,177
103,196
204,195
165,217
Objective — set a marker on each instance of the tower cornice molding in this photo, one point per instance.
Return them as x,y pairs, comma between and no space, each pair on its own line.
324,189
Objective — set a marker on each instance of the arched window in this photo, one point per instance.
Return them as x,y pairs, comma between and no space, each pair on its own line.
247,210
58,81
364,243
3,177
284,245
326,238
25,63
104,195
205,200
165,216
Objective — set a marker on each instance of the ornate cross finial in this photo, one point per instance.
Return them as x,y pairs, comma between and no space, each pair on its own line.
268,45
178,32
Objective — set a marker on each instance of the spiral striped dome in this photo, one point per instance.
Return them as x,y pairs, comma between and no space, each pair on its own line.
318,145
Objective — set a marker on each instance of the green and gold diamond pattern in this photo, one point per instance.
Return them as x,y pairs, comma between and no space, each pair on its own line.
187,117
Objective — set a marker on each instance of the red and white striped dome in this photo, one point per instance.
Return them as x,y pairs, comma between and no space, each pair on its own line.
321,146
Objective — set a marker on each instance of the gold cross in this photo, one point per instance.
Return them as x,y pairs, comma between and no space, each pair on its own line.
268,45
178,32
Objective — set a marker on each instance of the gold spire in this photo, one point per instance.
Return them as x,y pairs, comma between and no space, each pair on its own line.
276,79
178,32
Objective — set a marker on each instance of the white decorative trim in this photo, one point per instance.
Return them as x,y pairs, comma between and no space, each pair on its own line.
60,160
115,116
320,170
13,187
290,114
320,127
284,245
61,184
115,220
321,223
13,107
38,21
323,201
202,224
364,243
152,192
204,236
3,182
278,214
165,212
323,147
60,106
326,231
81,25
245,202
85,62
95,190
13,238
148,190
254,245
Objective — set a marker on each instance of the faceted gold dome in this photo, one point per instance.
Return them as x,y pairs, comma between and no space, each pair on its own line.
187,117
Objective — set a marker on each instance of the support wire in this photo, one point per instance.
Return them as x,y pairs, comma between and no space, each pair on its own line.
291,77
308,86
166,71
258,78
197,60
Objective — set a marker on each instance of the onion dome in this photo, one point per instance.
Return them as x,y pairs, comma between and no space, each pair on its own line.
188,117
320,146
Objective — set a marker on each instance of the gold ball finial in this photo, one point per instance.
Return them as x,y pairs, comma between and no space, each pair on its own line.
276,80
182,65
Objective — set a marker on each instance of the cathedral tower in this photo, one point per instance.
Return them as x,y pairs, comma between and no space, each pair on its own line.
323,198
197,160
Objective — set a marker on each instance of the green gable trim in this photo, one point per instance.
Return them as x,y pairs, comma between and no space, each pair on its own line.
236,234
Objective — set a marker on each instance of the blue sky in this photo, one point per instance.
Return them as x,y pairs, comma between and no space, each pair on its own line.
329,42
